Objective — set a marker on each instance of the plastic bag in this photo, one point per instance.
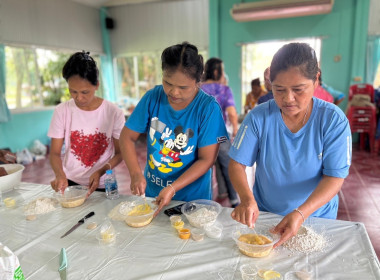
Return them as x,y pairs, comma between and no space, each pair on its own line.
24,157
38,148
9,265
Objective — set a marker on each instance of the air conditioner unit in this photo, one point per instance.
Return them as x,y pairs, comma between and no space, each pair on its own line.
273,9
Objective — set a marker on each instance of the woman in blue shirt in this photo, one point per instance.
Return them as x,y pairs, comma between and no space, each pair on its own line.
184,127
301,145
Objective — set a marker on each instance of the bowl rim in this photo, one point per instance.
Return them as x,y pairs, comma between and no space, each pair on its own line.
148,201
271,236
61,197
204,202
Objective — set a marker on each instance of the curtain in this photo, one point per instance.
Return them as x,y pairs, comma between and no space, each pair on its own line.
5,115
373,58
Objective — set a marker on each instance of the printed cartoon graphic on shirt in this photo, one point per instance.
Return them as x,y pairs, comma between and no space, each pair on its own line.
169,148
88,148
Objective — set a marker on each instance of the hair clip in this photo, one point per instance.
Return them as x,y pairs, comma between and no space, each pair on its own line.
86,55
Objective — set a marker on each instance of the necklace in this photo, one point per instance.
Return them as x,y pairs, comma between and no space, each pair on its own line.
304,117
307,111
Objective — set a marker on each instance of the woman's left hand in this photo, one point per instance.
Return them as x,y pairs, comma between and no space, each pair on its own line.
163,199
93,183
288,227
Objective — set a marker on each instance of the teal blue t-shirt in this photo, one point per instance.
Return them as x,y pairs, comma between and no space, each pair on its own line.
289,165
173,140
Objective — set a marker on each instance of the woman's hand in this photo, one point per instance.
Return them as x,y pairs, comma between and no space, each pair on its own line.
59,184
288,227
138,184
164,198
246,213
93,182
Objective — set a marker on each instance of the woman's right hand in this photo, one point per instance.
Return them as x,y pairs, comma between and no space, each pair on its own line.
246,213
59,183
138,184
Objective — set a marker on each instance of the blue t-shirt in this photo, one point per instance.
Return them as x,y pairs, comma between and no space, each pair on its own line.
174,137
290,165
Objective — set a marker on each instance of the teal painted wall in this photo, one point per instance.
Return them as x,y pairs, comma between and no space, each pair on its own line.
343,32
24,128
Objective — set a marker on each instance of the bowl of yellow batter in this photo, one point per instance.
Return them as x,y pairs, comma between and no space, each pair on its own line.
257,242
73,196
138,212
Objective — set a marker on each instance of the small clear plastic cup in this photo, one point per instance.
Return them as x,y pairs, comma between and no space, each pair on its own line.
248,271
107,233
197,234
297,275
215,230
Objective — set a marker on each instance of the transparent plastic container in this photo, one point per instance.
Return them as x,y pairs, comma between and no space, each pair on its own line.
202,212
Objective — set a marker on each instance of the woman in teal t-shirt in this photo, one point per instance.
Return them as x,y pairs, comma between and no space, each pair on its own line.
184,127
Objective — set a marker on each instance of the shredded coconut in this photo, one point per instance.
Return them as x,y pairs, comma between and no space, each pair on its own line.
202,217
40,206
306,241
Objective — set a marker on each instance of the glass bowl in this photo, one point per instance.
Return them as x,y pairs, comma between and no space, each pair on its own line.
257,242
201,212
138,212
73,196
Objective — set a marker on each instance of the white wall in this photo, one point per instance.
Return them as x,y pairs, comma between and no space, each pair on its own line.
57,24
155,26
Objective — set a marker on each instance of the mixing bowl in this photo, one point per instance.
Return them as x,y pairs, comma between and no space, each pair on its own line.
73,196
202,212
257,242
13,179
138,212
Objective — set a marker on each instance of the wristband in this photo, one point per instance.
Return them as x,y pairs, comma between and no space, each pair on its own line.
299,211
170,185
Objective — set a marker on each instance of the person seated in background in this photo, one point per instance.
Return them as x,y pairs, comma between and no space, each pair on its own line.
253,96
184,126
321,93
301,144
7,157
88,125
268,87
214,85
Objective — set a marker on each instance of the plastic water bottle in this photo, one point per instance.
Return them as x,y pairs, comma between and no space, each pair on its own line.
111,185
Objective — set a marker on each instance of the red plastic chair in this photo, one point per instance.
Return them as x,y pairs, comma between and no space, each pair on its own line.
363,119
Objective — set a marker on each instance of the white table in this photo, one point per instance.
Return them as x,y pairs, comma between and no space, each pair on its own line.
155,252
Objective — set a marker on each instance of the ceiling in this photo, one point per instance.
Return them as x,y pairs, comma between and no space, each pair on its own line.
110,3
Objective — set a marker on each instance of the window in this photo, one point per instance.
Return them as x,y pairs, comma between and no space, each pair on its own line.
256,57
136,74
34,77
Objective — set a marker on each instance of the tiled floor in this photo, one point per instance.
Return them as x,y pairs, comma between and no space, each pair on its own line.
359,197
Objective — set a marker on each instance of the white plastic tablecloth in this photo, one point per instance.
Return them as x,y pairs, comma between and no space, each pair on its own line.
156,252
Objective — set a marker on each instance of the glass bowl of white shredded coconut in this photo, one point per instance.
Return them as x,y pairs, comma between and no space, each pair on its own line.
202,212
72,197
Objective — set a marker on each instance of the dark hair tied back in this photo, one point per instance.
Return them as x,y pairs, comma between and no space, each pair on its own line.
213,69
183,57
299,55
83,65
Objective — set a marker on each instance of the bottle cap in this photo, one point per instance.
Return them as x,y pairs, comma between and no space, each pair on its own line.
109,171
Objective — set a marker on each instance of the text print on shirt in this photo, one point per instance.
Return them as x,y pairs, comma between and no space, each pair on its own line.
239,137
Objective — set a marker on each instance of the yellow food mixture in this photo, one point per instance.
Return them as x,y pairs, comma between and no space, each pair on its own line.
254,239
140,210
107,236
9,202
138,217
72,203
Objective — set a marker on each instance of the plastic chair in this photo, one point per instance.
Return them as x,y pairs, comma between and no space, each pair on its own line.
363,119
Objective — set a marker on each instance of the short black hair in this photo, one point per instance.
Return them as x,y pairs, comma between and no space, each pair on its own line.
211,65
83,65
299,55
185,57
